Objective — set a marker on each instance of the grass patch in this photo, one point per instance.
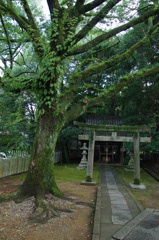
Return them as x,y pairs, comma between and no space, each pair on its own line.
20,177
69,172
6,197
149,197
66,172
128,176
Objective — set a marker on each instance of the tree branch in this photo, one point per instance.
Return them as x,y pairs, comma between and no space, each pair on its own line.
9,2
67,99
16,51
23,63
26,72
19,84
101,49
29,13
96,68
2,6
90,6
8,41
23,23
79,4
75,87
99,16
53,4
75,111
112,33
125,80
16,40
109,93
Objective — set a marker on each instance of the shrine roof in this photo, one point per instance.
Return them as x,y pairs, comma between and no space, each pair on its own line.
104,120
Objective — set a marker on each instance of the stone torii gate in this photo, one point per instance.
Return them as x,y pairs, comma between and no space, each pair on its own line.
136,138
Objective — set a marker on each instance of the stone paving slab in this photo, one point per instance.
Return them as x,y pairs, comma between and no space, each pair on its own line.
119,201
115,194
121,206
124,231
156,212
120,216
148,229
114,197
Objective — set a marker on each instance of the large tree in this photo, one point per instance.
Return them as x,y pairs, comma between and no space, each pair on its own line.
63,49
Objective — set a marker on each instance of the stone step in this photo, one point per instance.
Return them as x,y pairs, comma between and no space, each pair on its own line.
124,231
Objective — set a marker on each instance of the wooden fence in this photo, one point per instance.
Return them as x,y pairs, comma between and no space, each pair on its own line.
19,164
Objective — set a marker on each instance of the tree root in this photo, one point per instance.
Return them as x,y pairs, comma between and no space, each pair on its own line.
44,208
88,204
43,212
8,197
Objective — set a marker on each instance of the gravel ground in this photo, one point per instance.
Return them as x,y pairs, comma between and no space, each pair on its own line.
15,223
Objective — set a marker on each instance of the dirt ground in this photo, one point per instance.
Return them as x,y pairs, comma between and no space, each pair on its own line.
15,223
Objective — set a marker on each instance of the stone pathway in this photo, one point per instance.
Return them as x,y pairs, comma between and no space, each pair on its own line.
120,210
114,206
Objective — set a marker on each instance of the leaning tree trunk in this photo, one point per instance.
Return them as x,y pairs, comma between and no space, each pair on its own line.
40,177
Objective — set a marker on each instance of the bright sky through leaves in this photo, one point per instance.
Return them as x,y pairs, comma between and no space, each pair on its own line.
43,6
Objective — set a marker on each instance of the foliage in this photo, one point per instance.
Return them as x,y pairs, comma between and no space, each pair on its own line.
68,134
64,74
138,101
17,121
67,137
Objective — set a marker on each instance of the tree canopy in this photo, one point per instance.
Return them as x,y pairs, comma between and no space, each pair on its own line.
57,43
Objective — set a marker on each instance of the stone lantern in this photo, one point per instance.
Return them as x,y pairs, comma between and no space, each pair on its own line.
83,163
131,162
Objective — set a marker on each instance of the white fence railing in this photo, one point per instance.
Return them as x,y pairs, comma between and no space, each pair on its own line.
15,165
58,157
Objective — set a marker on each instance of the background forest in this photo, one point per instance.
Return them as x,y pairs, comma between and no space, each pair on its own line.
138,103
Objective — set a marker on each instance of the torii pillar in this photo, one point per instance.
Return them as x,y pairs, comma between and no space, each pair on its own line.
137,158
136,183
90,156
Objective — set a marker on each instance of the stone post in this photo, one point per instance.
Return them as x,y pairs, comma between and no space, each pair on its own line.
131,162
90,156
83,163
122,152
137,158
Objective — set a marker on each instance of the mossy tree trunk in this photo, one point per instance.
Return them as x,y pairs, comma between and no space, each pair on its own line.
40,178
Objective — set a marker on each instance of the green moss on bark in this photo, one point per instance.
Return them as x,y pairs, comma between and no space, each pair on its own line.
40,178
